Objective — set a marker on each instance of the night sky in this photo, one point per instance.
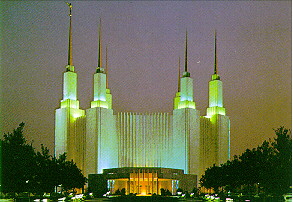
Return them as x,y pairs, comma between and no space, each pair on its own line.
144,42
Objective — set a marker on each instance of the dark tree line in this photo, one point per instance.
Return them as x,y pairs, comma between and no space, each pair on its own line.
26,170
266,169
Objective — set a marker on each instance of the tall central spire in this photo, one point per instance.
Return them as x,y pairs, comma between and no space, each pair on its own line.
70,62
100,45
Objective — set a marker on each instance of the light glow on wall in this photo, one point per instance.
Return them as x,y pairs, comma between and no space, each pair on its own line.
74,104
215,110
186,104
77,113
99,103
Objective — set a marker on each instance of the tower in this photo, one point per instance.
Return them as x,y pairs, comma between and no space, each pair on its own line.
215,90
68,136
218,133
101,136
186,132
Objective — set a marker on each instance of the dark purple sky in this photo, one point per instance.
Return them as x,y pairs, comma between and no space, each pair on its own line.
144,42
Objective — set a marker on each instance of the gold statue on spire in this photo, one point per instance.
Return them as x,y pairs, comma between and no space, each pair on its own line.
70,7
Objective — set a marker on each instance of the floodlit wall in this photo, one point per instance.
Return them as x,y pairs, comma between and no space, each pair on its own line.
206,144
66,132
62,123
185,138
80,125
216,140
144,139
223,133
101,140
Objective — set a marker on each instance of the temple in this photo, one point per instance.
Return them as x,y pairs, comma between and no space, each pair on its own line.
141,152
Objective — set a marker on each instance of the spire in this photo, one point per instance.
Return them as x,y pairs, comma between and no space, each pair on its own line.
100,45
215,65
215,76
179,75
70,36
186,53
106,66
186,73
106,59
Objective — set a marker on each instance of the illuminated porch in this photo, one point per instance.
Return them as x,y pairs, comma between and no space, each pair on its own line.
142,180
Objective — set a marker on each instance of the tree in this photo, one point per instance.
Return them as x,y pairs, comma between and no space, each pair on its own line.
163,192
18,162
257,165
117,192
48,173
269,166
70,175
195,191
123,191
25,170
168,193
280,175
212,178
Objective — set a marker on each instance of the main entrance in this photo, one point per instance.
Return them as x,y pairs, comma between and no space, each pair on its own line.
143,180
143,183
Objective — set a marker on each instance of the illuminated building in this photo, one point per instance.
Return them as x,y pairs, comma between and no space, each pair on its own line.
146,152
